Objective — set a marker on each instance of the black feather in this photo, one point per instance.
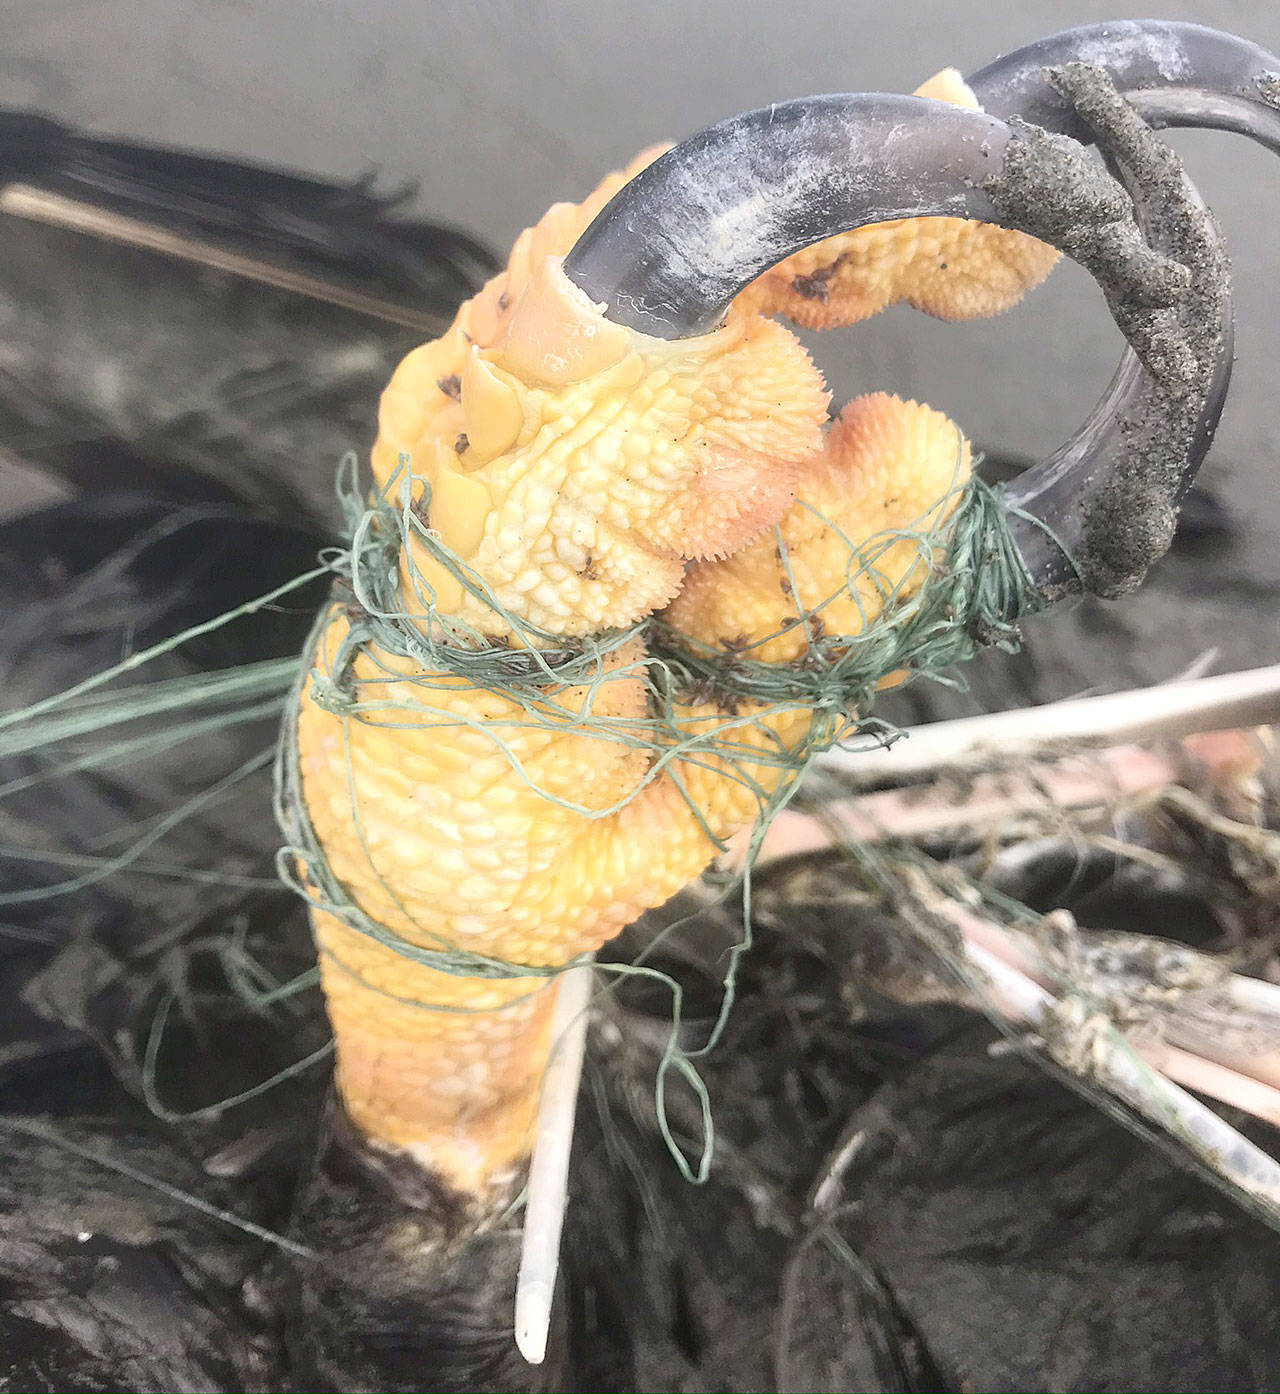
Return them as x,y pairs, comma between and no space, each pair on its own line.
251,361
980,1168
348,234
82,585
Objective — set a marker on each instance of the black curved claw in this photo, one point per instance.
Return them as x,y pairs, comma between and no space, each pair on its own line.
672,249
1172,74
1104,505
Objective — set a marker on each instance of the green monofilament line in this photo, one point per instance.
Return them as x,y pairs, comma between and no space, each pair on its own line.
974,594
975,591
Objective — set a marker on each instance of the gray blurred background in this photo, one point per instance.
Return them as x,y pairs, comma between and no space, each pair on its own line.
495,109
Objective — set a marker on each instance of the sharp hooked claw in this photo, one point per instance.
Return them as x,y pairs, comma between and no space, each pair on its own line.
673,248
1168,75
1172,74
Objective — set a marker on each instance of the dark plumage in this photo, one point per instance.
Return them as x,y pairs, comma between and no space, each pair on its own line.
995,1232
125,365
976,1169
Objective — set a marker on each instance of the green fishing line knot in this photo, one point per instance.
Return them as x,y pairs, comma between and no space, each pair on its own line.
975,592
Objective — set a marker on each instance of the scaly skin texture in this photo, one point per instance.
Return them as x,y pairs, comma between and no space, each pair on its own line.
577,467
948,267
583,464
889,467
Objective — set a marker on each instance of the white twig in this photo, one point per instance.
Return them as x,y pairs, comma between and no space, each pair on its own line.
1165,711
1255,995
985,800
1237,1061
1244,1080
1214,1080
1122,1068
549,1168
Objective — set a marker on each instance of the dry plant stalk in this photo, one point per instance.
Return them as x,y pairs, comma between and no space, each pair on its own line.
1134,1015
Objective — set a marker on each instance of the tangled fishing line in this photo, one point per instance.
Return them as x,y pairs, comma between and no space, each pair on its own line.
974,592
968,590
